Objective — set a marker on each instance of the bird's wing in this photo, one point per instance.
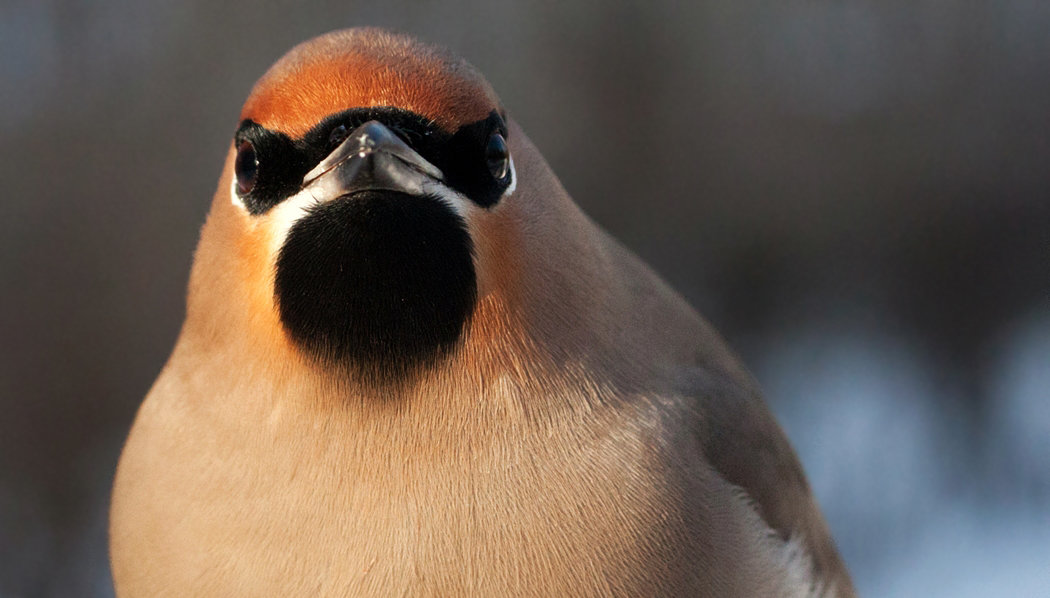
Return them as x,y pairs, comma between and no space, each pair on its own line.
745,445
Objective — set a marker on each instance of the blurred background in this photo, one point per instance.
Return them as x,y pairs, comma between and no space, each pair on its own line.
856,193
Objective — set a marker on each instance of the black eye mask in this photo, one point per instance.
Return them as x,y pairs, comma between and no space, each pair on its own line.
464,157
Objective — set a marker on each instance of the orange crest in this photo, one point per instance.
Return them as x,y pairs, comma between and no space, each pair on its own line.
358,68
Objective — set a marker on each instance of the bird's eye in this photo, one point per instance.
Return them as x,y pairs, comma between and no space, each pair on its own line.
497,156
246,167
337,136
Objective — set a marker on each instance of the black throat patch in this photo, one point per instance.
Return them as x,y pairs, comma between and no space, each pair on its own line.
380,282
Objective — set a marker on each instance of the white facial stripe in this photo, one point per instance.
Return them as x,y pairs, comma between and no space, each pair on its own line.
449,196
236,199
284,215
513,179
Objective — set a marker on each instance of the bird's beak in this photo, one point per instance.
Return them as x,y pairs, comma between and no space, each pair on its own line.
372,158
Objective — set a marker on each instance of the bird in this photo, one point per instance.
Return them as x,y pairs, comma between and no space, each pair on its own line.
411,365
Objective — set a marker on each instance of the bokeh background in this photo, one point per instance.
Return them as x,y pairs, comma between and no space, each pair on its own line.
857,193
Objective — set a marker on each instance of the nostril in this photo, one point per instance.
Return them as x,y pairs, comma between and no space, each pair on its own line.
337,136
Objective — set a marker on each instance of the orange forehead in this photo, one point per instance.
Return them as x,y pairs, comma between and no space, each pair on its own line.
359,68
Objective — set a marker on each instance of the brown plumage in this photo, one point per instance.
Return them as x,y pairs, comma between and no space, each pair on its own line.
589,434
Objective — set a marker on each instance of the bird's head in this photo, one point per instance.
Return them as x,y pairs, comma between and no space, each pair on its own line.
367,206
